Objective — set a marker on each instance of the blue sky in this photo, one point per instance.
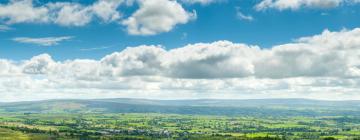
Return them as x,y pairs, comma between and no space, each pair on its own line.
215,21
179,49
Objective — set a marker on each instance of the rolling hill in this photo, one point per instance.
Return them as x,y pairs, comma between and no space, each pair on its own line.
253,107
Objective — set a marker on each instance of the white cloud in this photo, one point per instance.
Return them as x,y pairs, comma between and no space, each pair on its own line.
142,60
323,66
8,68
76,14
19,11
240,15
46,41
152,17
107,10
157,16
297,4
312,56
62,13
70,14
4,28
96,48
38,65
220,59
202,2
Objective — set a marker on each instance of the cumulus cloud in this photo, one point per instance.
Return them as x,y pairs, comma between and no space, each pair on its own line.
46,41
107,10
220,59
312,56
152,17
8,68
76,14
19,11
157,16
297,4
62,13
313,67
70,14
142,60
38,65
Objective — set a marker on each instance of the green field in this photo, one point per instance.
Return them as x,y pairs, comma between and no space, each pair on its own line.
293,119
171,126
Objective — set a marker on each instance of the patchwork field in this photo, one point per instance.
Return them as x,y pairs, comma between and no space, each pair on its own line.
182,120
171,126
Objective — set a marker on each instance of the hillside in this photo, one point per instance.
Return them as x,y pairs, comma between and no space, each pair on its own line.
253,107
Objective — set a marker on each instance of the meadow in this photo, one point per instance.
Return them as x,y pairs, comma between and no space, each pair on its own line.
136,119
172,126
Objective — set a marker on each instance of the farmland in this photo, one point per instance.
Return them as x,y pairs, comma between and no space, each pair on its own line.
77,120
165,126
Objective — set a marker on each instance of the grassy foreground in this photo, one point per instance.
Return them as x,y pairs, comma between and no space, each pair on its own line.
169,126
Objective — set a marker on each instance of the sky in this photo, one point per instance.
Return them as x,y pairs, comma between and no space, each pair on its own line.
179,49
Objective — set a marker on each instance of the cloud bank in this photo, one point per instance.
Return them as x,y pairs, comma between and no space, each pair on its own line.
62,13
324,66
152,17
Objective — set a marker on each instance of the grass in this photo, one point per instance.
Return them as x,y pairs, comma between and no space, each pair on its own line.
144,125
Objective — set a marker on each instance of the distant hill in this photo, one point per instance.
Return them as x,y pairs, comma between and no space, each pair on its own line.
252,107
